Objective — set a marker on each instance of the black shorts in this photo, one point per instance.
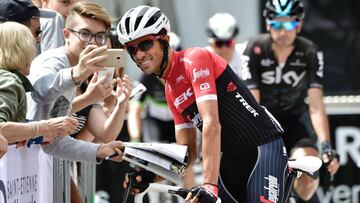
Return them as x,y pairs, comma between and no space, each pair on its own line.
255,175
298,131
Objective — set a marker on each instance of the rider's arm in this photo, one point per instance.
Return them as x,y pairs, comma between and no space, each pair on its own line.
211,139
320,122
318,116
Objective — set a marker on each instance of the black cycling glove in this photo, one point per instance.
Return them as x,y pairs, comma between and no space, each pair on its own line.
147,177
329,151
207,193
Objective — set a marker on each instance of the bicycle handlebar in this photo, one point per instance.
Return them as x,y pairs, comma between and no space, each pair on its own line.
158,187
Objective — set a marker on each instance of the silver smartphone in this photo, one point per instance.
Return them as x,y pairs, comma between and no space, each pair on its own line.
137,91
116,58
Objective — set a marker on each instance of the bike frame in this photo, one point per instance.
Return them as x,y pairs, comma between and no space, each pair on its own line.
307,164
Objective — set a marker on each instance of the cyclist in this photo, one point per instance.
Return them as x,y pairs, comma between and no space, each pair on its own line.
222,31
203,92
285,68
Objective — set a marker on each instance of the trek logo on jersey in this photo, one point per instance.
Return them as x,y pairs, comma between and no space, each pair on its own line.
246,104
204,86
277,76
273,190
186,60
200,73
266,62
183,97
231,87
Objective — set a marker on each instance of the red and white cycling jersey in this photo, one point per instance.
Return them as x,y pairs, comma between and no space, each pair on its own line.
196,75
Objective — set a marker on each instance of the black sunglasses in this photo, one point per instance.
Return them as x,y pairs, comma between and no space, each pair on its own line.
221,43
144,45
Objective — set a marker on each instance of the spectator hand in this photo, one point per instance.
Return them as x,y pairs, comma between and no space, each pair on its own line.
99,88
123,89
21,144
87,62
330,157
60,126
3,145
110,148
207,193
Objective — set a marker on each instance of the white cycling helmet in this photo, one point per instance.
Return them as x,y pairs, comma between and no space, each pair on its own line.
141,21
222,26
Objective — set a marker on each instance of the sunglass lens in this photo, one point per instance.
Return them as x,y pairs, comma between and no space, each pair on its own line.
132,50
276,25
146,45
288,25
226,43
142,46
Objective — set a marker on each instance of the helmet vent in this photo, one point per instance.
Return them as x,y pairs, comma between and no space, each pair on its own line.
153,19
127,26
140,16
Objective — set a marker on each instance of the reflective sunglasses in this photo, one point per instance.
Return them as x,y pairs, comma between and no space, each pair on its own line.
144,45
221,43
86,36
287,25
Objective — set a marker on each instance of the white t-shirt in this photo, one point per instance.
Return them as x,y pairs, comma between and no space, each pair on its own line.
237,59
54,90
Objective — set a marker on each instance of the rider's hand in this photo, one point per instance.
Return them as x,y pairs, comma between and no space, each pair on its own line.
140,180
330,157
207,193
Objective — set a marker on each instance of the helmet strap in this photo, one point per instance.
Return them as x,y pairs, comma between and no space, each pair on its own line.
165,58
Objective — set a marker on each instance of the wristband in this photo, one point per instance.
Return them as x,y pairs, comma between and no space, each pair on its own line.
35,129
212,188
326,145
72,77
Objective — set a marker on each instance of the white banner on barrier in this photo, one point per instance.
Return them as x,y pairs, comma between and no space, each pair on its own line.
26,176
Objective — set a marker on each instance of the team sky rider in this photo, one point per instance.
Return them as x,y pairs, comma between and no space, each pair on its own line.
222,31
202,91
285,68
